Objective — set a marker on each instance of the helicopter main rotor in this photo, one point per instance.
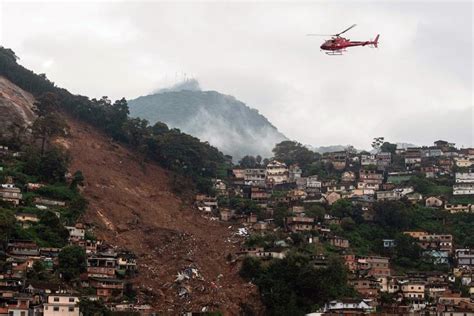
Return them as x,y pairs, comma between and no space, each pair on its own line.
336,35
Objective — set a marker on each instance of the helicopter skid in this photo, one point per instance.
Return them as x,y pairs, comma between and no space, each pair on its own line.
335,52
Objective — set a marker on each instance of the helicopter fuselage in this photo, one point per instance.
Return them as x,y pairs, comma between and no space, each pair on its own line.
340,43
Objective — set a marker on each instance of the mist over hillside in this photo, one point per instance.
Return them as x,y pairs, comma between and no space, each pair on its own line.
222,120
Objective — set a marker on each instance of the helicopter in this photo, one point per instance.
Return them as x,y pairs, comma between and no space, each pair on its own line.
337,44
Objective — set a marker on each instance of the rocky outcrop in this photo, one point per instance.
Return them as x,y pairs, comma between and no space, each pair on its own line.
16,111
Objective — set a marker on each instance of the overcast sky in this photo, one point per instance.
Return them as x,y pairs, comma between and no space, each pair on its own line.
416,87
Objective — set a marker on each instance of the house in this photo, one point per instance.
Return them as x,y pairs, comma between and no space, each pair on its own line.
22,249
61,305
464,257
463,189
457,208
430,171
126,262
220,187
443,242
348,176
429,152
261,226
299,223
271,254
437,256
49,202
255,177
332,197
368,160
388,195
388,243
107,287
384,159
338,159
294,173
464,161
375,266
413,290
10,193
238,176
352,306
413,157
370,177
26,219
312,183
296,195
464,177
34,186
101,266
19,304
276,172
399,177
259,194
434,201
206,203
443,144
464,183
76,232
367,287
339,242
225,214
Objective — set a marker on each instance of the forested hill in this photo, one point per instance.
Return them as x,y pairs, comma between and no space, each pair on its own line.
222,120
176,151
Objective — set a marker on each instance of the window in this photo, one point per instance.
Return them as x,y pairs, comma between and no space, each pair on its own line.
71,300
56,308
71,309
56,299
23,313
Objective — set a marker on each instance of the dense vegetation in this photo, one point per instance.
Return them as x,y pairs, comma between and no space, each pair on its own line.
293,286
174,150
32,167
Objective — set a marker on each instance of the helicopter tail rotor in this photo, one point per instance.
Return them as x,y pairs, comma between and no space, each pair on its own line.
376,41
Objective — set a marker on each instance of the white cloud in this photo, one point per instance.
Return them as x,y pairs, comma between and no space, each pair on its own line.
259,53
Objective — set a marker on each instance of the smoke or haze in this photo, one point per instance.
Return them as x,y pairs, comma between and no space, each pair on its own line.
417,87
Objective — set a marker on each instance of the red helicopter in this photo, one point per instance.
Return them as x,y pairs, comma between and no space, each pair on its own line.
337,44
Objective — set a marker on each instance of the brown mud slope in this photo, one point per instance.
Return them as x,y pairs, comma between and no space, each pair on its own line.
132,206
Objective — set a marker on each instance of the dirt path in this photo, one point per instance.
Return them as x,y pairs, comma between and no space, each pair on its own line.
132,206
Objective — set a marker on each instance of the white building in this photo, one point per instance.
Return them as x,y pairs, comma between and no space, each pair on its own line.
61,305
313,182
465,177
277,172
76,233
254,177
367,160
363,305
463,189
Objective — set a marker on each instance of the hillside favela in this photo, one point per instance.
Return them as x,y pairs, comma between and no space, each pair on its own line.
297,193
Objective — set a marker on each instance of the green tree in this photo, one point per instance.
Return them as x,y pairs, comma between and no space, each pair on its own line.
93,307
388,147
248,162
251,268
50,230
48,126
72,262
7,224
291,152
77,179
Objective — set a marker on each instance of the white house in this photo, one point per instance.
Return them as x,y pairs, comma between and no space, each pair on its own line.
61,305
277,172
